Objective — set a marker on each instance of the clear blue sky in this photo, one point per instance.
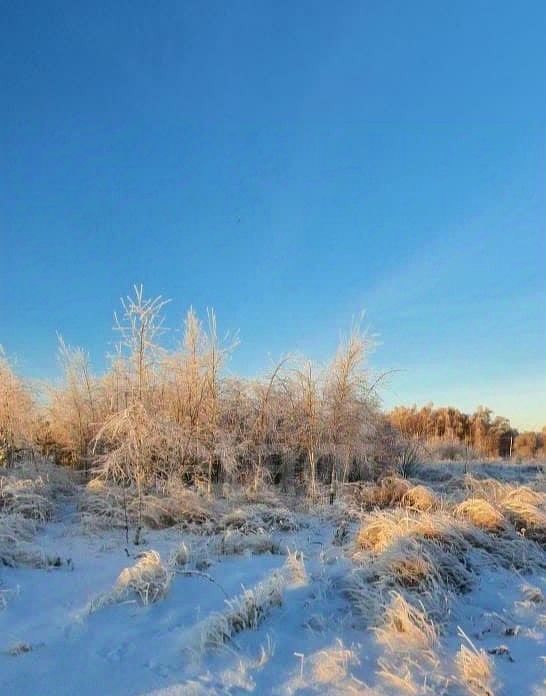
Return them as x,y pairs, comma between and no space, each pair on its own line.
289,164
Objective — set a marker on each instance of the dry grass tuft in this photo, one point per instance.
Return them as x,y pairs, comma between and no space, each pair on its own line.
331,666
16,548
26,497
400,677
147,579
423,565
236,542
533,597
279,518
430,555
96,485
259,518
179,506
487,488
406,627
31,487
244,495
249,609
381,529
460,537
239,678
532,594
524,495
528,519
524,507
185,557
475,671
388,492
104,505
500,492
240,519
180,556
481,513
420,498
418,568
294,569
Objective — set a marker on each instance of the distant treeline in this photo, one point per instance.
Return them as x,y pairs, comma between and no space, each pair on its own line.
480,432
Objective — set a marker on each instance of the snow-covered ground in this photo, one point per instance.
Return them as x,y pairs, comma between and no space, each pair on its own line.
313,642
133,649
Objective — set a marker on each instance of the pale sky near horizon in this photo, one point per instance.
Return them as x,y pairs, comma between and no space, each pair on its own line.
289,164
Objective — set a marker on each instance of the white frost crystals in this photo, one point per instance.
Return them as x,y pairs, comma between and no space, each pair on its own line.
250,608
148,580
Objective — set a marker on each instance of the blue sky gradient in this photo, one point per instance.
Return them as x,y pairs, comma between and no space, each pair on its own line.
288,164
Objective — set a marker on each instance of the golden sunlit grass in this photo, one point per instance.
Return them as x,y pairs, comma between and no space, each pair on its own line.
406,627
475,671
523,506
420,498
480,513
330,666
529,519
389,492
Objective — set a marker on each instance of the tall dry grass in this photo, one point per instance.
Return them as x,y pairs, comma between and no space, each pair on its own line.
430,556
474,670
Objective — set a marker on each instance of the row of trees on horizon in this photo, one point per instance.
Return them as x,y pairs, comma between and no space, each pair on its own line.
481,432
158,413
